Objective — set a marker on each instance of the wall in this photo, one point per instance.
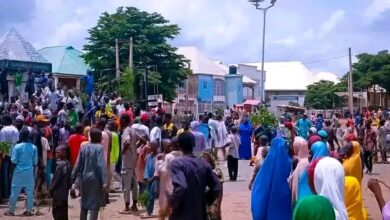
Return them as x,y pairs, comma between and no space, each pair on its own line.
253,73
276,100
205,88
233,89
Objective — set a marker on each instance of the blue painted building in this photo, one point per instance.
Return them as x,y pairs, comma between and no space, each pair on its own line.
209,87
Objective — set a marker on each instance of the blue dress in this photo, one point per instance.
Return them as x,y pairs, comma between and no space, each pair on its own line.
271,194
318,149
244,150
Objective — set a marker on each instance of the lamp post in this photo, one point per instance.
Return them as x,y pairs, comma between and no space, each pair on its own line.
259,6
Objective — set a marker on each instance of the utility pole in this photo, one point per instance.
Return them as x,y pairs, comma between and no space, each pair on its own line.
131,53
350,86
117,71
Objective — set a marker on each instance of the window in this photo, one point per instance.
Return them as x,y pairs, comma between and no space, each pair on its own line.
183,85
219,87
204,85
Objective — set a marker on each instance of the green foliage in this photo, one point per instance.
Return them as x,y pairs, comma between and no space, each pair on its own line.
263,117
154,78
126,86
151,33
372,69
321,95
144,198
5,147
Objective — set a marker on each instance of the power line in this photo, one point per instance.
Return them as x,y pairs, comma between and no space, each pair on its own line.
324,59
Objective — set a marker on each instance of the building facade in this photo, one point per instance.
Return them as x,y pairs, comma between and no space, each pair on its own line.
208,88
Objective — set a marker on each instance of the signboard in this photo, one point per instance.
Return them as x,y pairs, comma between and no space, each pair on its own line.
26,65
153,100
285,97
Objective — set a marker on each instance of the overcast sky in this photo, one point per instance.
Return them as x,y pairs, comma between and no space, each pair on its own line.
312,31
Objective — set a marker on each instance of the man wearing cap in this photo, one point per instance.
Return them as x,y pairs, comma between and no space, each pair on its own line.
140,128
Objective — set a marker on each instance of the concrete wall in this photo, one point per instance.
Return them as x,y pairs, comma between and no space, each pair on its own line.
233,89
253,73
276,100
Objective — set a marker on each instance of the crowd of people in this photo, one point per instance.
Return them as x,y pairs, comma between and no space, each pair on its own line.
324,170
54,145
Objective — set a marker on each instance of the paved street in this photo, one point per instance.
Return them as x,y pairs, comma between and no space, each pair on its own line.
236,201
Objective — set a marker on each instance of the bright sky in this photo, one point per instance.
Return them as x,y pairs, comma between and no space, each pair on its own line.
316,32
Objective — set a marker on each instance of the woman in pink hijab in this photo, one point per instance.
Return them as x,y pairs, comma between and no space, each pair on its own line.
301,154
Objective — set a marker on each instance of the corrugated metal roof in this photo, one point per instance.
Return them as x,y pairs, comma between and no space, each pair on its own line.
65,60
200,63
14,47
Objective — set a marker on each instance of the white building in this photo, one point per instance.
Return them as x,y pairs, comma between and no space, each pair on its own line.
285,82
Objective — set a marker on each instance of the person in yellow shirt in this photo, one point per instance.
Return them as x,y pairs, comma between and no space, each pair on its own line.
102,112
375,121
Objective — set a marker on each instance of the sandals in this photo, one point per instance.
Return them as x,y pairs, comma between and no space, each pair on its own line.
8,213
125,212
26,213
146,215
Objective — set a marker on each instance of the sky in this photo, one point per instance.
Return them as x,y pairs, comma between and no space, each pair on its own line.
315,32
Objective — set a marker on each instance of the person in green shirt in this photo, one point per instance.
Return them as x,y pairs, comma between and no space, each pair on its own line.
73,116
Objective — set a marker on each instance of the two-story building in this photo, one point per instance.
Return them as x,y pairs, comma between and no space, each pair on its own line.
209,87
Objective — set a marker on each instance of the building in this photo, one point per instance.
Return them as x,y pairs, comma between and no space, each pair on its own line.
207,88
18,61
68,65
285,82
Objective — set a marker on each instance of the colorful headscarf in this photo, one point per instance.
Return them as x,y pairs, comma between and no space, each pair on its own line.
314,208
302,151
271,192
354,199
353,164
301,148
329,182
318,150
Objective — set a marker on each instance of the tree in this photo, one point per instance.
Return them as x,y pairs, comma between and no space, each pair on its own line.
126,86
321,95
150,33
154,78
372,70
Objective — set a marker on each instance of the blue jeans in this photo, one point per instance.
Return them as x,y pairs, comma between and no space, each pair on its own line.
151,187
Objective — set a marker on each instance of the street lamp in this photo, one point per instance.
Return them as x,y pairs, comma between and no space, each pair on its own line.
259,6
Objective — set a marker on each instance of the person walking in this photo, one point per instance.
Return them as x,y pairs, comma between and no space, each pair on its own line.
59,189
369,146
129,158
190,177
90,168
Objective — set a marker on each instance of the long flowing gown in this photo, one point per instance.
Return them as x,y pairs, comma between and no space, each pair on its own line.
90,167
244,150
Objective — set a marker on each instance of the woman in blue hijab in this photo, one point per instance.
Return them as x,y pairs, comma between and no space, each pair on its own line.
246,130
271,195
318,150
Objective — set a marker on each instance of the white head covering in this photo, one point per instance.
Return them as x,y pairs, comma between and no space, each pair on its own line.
329,180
